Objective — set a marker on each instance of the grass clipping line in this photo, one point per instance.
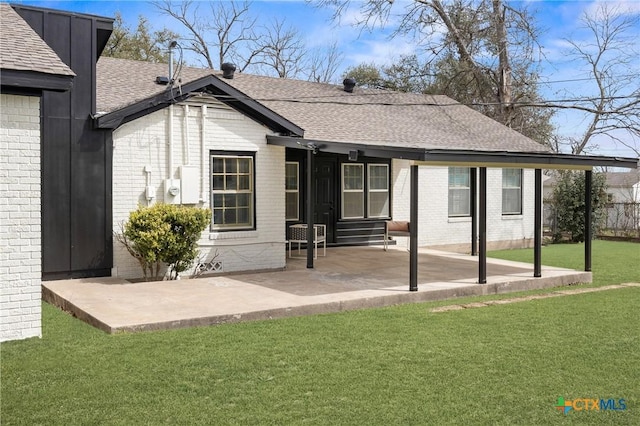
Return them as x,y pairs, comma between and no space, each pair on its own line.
558,293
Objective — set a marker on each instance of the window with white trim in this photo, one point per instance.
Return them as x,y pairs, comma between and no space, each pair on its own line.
459,191
232,197
511,191
378,190
292,190
352,191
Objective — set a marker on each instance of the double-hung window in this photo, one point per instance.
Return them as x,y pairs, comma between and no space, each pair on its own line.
459,191
352,191
511,191
365,190
232,191
292,190
378,197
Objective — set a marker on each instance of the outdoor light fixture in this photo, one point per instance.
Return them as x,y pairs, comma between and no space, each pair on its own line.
353,155
309,147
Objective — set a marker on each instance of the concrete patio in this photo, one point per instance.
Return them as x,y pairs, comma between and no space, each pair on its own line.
347,278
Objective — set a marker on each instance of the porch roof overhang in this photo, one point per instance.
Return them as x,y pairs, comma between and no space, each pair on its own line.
461,158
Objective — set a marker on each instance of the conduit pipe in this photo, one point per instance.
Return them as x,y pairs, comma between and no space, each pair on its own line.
203,133
186,136
170,141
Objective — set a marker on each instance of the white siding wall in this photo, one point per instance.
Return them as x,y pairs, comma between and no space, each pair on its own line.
438,230
20,241
144,143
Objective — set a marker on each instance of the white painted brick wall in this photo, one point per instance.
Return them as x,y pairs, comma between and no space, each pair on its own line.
437,229
144,142
20,242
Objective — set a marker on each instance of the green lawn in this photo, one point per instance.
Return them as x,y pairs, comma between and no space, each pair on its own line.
503,364
611,263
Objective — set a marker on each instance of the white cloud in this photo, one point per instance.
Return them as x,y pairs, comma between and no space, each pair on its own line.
379,52
618,7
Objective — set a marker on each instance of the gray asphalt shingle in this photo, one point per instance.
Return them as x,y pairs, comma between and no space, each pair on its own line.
21,49
326,112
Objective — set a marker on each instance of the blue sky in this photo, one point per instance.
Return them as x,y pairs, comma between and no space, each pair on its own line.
557,19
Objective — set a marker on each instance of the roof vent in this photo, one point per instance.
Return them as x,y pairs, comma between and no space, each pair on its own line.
227,70
349,84
162,80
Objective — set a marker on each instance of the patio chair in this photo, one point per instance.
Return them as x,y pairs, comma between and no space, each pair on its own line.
394,228
298,234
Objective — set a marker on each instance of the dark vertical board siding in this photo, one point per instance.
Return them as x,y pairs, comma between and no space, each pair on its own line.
58,37
76,191
88,204
56,178
87,159
83,64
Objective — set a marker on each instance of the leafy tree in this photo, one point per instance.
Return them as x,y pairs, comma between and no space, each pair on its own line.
568,203
368,76
164,234
407,75
141,45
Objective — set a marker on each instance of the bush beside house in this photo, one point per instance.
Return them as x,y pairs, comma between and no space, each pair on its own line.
164,235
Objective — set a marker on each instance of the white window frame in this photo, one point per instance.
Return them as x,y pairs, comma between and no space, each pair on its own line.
369,190
293,191
241,226
512,189
453,188
343,190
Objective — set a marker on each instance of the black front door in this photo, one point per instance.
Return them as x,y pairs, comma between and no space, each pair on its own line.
325,201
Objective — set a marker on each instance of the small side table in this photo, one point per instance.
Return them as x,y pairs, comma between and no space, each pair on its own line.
298,234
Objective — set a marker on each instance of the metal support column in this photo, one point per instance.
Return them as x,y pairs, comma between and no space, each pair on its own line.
473,187
310,208
413,231
482,254
587,219
537,226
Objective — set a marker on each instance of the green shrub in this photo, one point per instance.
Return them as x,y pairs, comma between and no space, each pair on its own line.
569,204
164,234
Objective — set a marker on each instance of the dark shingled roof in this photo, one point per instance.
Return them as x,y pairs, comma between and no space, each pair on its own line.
622,179
327,113
21,49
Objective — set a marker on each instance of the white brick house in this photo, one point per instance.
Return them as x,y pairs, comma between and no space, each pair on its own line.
140,161
28,68
153,152
20,242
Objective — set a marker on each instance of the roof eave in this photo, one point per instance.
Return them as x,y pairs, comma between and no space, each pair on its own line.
211,85
36,80
530,160
462,158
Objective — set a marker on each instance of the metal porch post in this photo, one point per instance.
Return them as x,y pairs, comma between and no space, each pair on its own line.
310,208
474,210
537,226
413,231
587,220
482,255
